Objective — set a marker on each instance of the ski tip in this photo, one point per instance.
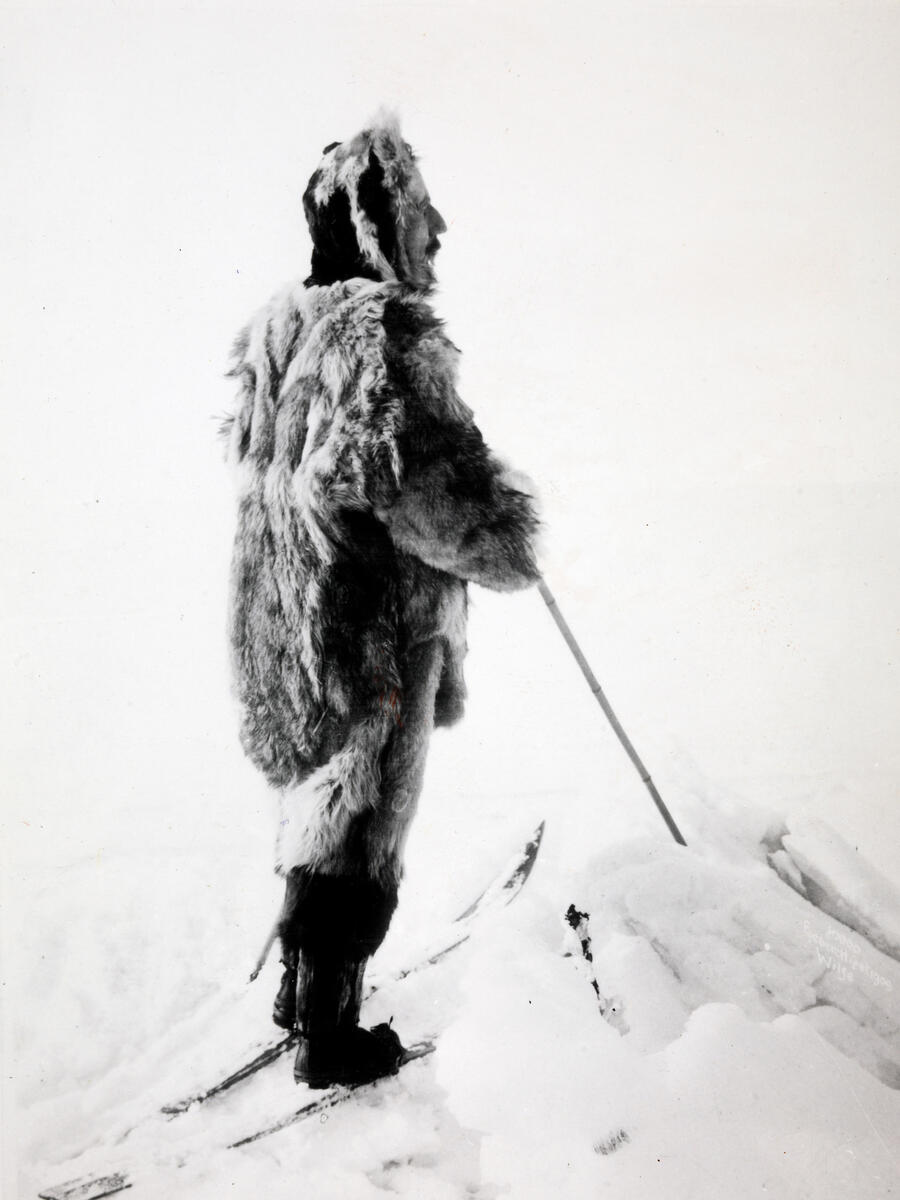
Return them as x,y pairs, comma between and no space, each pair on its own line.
418,1050
511,879
532,847
87,1188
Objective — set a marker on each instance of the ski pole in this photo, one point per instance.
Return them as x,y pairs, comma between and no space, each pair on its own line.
264,953
595,687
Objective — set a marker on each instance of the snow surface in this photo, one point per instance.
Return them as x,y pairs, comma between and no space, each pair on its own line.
753,1042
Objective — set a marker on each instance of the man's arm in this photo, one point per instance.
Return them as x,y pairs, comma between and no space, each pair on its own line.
457,507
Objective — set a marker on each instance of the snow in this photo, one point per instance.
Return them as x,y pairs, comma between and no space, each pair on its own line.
753,1044
861,901
687,336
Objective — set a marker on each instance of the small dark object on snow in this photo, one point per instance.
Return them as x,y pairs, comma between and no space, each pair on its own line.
613,1142
579,922
610,1008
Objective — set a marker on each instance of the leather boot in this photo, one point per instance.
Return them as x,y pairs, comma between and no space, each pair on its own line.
333,1048
284,1010
350,1056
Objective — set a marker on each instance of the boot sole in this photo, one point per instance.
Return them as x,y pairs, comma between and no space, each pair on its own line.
318,1080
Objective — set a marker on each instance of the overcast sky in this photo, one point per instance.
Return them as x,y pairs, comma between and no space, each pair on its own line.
672,264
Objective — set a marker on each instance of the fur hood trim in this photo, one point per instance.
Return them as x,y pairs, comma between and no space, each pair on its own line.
357,205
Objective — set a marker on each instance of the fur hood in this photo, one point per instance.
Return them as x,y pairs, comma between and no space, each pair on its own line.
357,206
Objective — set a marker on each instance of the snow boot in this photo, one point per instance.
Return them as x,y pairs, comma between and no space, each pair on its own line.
284,1010
348,1056
333,1047
325,917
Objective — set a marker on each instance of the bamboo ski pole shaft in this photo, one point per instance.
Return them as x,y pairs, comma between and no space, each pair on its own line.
264,953
595,687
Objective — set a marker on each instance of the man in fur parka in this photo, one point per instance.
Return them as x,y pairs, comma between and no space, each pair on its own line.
368,501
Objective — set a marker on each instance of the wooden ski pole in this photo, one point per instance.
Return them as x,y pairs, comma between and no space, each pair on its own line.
595,687
264,953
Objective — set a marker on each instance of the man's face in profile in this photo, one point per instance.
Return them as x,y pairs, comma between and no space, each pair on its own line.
424,224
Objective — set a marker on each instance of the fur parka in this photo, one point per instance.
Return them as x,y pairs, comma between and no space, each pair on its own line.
367,496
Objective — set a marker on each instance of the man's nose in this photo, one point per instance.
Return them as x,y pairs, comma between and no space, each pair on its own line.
438,224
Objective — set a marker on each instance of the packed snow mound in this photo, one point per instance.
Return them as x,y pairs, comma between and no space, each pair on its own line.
815,860
674,930
745,1040
730,1107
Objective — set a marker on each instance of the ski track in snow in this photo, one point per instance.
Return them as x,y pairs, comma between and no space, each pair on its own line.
755,1041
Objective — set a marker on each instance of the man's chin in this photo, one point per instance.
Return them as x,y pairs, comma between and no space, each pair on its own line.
425,278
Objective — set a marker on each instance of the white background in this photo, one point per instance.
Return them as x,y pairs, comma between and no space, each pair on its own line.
672,266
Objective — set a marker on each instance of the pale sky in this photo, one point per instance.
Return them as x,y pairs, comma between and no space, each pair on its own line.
673,267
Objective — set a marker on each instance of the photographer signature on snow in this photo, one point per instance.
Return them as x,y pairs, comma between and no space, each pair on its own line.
842,955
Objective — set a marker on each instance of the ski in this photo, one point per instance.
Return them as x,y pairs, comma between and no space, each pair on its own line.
96,1186
501,891
504,888
270,1053
92,1187
331,1097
